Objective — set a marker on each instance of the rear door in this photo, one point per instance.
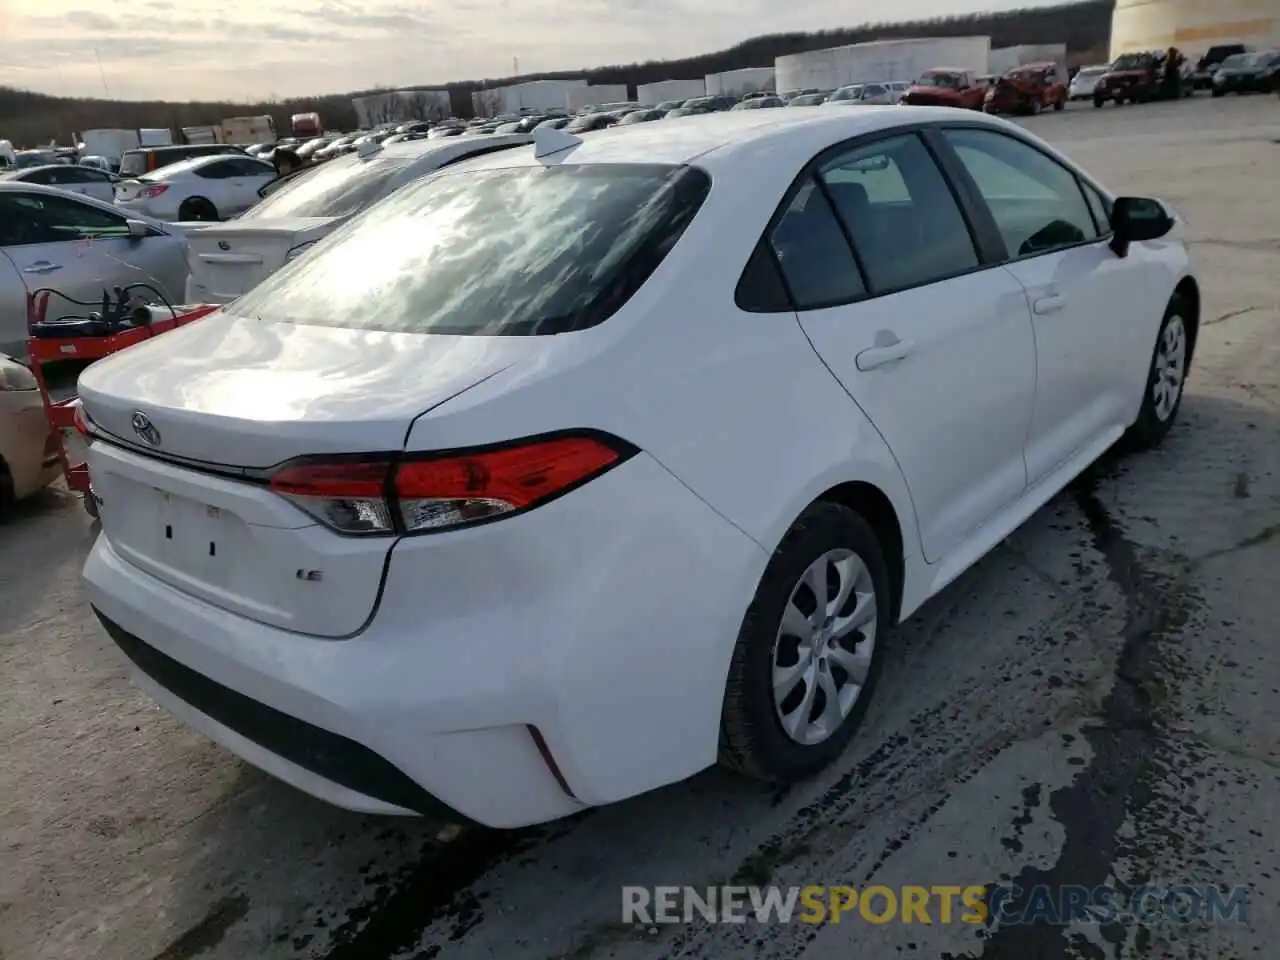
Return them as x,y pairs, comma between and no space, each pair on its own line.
1088,305
236,182
82,251
936,351
84,180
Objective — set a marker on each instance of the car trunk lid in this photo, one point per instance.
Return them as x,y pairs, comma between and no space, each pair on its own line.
183,489
230,259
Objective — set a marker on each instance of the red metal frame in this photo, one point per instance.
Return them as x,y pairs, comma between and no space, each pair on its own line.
61,413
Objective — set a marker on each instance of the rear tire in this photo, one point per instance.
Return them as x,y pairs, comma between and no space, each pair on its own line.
198,208
1166,377
832,669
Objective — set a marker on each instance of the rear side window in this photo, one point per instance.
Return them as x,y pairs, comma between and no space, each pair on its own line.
505,252
813,252
334,190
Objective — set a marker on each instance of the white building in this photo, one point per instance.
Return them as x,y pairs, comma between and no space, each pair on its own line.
651,94
1193,26
594,94
520,97
400,106
879,60
1003,59
737,83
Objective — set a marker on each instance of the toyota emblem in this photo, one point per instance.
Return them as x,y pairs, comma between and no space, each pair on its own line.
145,429
223,245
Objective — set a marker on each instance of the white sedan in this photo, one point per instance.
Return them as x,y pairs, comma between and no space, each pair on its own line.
573,470
74,178
28,449
212,187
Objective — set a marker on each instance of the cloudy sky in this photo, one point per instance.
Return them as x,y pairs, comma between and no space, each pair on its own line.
238,49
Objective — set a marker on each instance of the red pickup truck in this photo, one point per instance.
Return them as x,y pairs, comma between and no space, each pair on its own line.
947,87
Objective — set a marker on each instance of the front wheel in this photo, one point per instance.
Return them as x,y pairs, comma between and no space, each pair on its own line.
809,650
1166,378
1098,101
1059,104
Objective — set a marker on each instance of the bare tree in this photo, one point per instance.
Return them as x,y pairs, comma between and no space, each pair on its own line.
426,105
488,103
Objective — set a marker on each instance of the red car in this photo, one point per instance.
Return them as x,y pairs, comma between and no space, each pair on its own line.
1028,89
947,87
1133,77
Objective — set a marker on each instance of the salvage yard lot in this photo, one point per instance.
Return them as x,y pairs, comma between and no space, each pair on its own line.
1096,702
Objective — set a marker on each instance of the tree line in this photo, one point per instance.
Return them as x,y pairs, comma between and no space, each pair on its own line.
30,119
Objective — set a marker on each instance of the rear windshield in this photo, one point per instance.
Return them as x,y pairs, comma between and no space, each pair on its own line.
506,252
335,190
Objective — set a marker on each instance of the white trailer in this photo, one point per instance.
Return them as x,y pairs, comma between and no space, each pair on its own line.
396,106
524,97
652,94
155,137
111,145
879,60
738,83
202,135
260,129
595,94
1004,59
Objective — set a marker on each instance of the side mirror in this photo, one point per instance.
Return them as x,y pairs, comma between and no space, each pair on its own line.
1135,219
138,230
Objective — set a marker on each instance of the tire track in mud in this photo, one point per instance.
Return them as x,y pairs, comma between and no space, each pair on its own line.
1117,783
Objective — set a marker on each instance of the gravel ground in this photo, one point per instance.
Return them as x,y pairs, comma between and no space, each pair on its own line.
1096,702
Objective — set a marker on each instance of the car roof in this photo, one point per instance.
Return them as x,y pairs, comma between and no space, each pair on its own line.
723,141
191,164
24,171
447,147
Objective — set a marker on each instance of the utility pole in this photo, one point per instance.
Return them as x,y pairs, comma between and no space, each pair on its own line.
102,73
515,66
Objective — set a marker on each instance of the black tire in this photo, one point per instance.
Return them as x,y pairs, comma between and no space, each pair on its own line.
1098,101
1059,104
752,739
1154,422
198,208
1215,92
90,504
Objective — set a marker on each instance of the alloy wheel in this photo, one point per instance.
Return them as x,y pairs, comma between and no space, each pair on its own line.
1170,368
823,650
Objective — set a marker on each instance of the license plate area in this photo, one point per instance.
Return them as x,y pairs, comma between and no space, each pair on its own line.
179,537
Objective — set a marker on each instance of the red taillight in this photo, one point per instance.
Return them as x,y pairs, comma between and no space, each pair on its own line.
146,193
423,493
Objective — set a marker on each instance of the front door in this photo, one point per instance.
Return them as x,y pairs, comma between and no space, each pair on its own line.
1087,304
937,352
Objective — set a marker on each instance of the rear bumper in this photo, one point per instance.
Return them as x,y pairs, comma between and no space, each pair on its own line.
516,673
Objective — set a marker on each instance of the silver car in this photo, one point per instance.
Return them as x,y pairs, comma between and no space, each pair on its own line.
79,247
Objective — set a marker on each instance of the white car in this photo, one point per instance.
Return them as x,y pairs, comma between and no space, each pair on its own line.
80,247
1086,81
212,187
228,259
566,473
28,449
864,94
74,179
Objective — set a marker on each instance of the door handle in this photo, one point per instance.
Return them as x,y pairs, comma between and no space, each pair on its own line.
1048,305
884,354
42,266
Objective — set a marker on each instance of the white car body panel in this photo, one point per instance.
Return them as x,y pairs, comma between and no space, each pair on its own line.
441,653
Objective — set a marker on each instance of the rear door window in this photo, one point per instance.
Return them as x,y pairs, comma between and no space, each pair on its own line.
507,252
906,225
